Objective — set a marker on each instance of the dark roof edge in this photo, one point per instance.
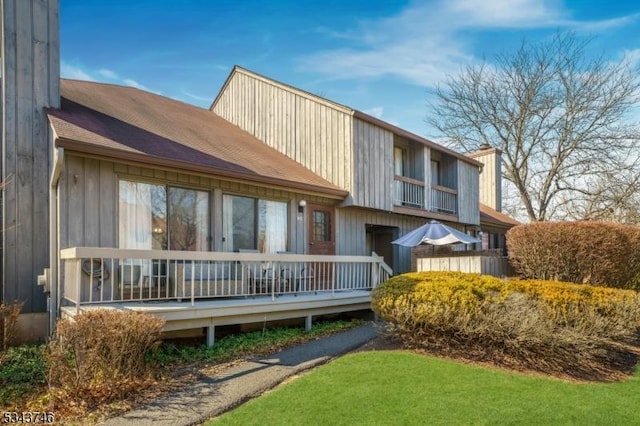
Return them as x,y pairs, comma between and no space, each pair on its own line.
115,154
401,132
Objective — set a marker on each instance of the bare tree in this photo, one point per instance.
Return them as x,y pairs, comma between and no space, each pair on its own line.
561,119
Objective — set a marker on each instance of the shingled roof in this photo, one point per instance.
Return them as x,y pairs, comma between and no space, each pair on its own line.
125,123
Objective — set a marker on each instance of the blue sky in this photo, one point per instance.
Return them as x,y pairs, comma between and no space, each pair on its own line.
378,56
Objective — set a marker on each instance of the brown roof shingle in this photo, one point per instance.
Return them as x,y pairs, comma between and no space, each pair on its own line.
130,124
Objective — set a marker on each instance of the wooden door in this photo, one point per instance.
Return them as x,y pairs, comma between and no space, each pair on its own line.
321,234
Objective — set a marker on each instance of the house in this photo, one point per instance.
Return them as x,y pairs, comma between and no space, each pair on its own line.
396,180
273,204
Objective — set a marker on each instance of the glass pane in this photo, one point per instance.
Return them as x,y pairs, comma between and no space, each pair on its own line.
238,223
321,226
188,219
435,172
142,216
398,161
272,226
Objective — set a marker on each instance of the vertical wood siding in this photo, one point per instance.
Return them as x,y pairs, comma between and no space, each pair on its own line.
312,133
30,82
372,166
89,201
468,198
491,179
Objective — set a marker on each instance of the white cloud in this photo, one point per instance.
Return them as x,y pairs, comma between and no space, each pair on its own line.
427,41
133,83
632,57
108,74
73,72
101,75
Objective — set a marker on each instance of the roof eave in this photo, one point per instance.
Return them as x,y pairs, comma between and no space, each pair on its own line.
80,147
405,133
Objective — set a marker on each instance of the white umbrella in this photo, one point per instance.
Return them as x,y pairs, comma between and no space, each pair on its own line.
434,233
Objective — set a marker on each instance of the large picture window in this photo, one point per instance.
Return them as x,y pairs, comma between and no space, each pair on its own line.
162,217
254,224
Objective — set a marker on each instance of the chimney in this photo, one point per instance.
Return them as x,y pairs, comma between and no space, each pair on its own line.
491,175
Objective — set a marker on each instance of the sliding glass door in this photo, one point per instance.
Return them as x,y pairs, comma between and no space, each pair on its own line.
162,217
254,224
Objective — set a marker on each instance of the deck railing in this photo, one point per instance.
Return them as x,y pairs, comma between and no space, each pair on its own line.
106,275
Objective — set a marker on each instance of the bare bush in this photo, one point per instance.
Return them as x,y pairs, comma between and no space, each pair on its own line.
100,355
599,253
8,317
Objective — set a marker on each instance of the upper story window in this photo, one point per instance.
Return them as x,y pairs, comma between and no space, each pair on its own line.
435,173
254,224
162,217
398,161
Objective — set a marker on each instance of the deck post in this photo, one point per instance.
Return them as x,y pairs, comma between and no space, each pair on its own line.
78,279
211,335
308,323
193,283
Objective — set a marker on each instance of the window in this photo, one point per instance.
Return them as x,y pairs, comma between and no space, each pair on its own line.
321,226
435,172
162,217
398,161
250,223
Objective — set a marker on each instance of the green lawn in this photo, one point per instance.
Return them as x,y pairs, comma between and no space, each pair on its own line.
401,388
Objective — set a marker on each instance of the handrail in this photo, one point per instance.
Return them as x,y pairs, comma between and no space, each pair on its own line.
409,180
145,275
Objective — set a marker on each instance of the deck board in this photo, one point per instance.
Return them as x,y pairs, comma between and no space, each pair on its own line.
227,311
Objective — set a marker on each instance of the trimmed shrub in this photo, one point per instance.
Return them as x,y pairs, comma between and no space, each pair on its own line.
100,355
545,325
599,253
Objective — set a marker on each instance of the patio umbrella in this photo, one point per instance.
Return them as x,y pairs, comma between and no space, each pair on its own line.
434,233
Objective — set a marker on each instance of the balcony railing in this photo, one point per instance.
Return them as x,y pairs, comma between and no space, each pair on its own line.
408,192
105,275
444,200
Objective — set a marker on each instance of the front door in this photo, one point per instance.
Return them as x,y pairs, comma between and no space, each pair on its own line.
321,230
379,240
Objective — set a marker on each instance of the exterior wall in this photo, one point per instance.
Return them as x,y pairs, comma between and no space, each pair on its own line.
30,82
316,134
490,178
88,201
468,198
372,166
351,233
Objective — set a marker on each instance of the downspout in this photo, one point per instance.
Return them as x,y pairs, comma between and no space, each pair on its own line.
54,252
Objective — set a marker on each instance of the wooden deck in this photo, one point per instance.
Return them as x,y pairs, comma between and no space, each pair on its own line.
217,312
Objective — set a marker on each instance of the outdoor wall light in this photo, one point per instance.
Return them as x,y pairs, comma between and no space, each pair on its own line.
301,205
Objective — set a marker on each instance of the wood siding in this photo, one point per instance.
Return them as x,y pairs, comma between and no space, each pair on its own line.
352,233
30,82
468,198
89,201
372,166
490,178
315,134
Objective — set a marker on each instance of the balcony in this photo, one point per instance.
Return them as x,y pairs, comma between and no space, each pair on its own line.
411,193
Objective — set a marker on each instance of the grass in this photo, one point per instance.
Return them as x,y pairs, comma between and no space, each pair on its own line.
23,369
392,388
